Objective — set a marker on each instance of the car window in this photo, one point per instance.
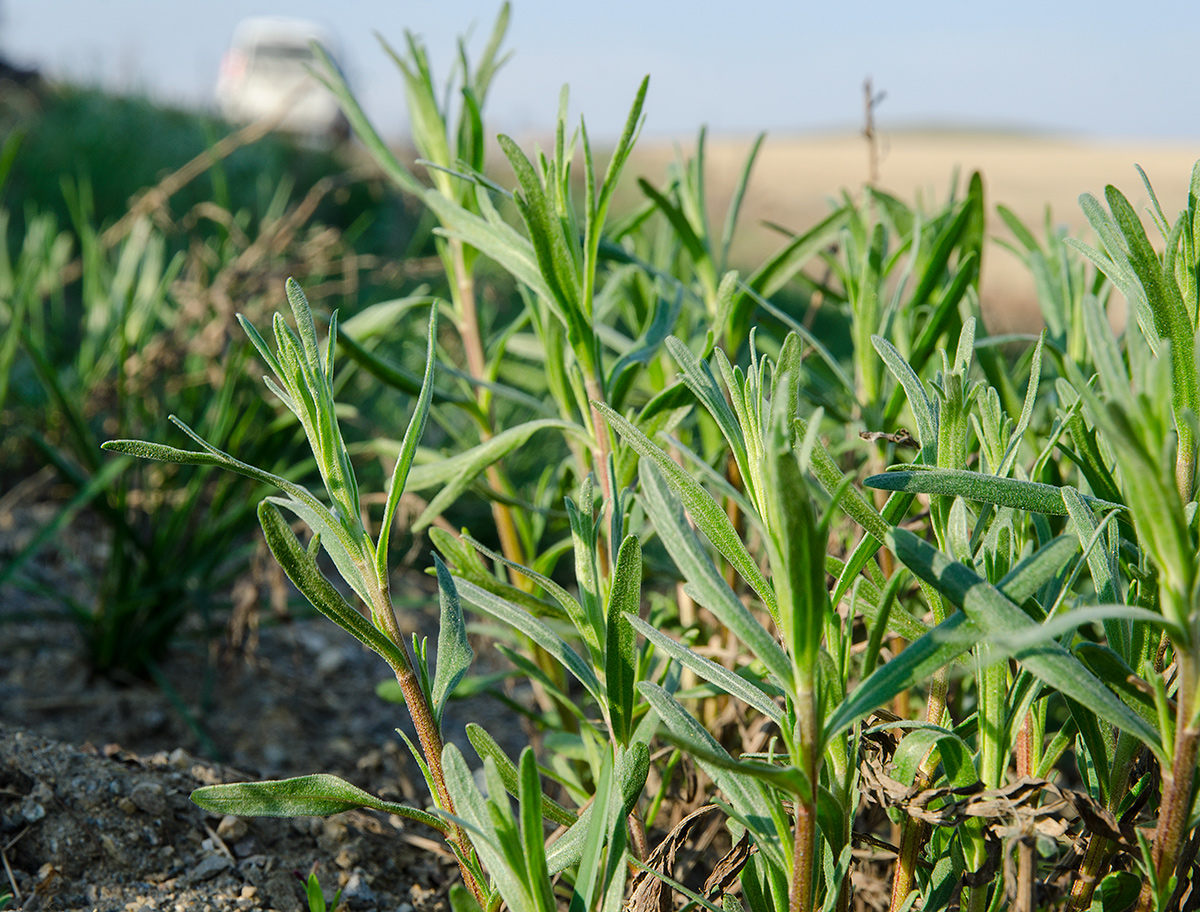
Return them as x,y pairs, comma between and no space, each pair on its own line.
282,54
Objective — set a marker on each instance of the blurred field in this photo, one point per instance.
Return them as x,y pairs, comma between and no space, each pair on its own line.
795,177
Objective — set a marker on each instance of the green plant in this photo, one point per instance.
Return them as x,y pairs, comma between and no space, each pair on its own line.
314,896
1028,578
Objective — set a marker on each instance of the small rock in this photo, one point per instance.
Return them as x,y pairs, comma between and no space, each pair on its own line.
231,828
127,806
357,890
244,848
282,891
178,758
209,867
150,798
32,811
330,660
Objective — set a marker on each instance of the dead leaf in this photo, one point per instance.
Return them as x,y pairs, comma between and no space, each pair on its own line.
649,893
725,874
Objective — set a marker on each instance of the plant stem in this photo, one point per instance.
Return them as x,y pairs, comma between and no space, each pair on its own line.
1177,782
468,331
1090,868
600,451
804,846
913,832
1100,849
428,733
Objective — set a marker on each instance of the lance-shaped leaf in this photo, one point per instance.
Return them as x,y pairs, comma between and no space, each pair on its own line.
215,457
747,794
705,512
705,583
476,813
988,608
408,448
574,610
486,746
730,682
305,796
522,620
797,554
620,664
632,767
533,839
918,662
1033,496
918,400
454,653
454,475
698,377
301,568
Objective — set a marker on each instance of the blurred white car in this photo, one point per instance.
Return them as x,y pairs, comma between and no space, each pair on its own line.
266,71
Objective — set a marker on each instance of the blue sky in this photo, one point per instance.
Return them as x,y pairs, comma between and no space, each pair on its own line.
1102,69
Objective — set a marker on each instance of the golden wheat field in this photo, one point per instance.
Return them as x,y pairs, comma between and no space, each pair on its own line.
795,177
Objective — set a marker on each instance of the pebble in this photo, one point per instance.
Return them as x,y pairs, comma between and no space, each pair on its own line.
149,798
33,807
357,889
209,867
231,828
330,661
32,811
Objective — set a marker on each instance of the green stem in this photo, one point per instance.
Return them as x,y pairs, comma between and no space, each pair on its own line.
468,331
1099,851
600,450
913,832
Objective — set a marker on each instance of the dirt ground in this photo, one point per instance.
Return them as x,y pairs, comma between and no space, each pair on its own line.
95,773
795,178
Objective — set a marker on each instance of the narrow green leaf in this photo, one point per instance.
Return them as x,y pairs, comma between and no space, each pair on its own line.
473,811
522,620
570,605
632,767
747,793
918,662
486,746
705,512
326,527
455,474
533,840
454,653
1026,579
918,399
706,585
594,839
730,682
797,550
620,663
408,449
301,568
305,796
1033,496
698,377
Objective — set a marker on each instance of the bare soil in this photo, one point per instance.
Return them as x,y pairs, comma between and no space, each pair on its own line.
95,773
